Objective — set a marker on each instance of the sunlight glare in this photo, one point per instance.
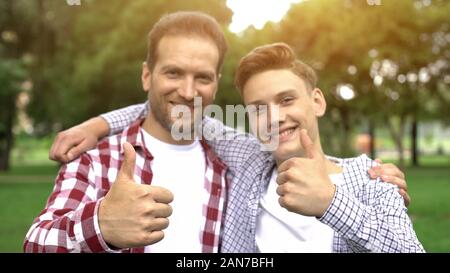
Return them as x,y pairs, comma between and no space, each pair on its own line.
257,12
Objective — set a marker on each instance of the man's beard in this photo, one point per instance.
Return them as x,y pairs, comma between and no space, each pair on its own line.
163,117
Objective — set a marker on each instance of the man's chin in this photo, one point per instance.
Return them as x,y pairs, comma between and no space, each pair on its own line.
184,127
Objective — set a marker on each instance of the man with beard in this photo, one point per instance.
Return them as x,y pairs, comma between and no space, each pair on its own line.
116,196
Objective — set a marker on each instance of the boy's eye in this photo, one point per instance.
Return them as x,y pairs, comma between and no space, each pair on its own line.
257,109
261,109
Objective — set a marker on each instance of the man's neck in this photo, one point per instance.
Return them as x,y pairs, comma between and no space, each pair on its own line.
156,130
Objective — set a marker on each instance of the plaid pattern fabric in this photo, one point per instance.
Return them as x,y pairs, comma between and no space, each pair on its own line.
69,222
366,215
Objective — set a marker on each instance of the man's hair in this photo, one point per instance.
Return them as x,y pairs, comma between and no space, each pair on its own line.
273,56
186,23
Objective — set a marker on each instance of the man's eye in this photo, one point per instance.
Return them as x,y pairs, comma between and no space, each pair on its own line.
172,73
205,79
287,100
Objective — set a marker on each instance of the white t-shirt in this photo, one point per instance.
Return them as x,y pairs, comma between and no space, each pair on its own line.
278,230
180,169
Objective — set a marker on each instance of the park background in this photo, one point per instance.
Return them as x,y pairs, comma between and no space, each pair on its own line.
384,66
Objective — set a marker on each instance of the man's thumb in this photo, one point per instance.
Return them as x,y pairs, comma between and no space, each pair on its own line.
129,161
307,144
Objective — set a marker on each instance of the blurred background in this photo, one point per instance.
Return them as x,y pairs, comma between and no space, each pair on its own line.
384,66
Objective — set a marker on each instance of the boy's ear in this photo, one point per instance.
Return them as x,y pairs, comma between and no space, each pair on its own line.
320,104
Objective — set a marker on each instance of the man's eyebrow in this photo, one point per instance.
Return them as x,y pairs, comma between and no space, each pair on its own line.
207,73
169,66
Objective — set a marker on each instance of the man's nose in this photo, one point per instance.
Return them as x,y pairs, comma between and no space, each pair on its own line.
187,90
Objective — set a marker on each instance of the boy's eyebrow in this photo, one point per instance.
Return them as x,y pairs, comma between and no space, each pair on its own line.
285,92
279,95
256,102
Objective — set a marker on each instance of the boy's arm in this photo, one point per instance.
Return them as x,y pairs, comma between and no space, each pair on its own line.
71,143
382,226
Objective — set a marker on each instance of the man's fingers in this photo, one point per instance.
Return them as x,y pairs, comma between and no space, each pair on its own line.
396,181
386,169
378,160
129,161
161,195
154,237
161,210
392,169
406,197
374,172
159,224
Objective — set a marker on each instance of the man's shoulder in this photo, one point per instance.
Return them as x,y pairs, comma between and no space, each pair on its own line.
361,162
357,179
108,146
214,129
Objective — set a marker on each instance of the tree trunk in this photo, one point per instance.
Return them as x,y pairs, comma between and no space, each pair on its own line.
373,153
6,138
414,151
397,136
346,150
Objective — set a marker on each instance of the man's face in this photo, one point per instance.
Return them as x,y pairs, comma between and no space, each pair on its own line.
298,108
185,68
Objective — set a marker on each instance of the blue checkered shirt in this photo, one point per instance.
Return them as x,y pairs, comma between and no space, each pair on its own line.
366,215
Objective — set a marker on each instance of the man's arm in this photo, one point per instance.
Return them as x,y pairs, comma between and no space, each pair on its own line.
71,143
69,222
232,147
77,218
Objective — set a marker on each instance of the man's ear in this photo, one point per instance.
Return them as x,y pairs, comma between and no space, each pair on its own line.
217,87
146,77
319,102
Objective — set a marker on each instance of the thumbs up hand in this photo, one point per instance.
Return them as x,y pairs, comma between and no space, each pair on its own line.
133,215
303,183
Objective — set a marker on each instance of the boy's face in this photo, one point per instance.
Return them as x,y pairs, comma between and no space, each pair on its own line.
298,108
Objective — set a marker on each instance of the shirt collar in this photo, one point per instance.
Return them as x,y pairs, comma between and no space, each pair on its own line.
133,135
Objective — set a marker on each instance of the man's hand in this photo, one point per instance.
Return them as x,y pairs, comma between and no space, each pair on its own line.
133,215
390,173
71,143
304,184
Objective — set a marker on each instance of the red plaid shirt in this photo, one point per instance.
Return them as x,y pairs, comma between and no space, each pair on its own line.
69,222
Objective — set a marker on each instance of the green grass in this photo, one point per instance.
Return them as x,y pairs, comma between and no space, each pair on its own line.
429,188
21,203
24,191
